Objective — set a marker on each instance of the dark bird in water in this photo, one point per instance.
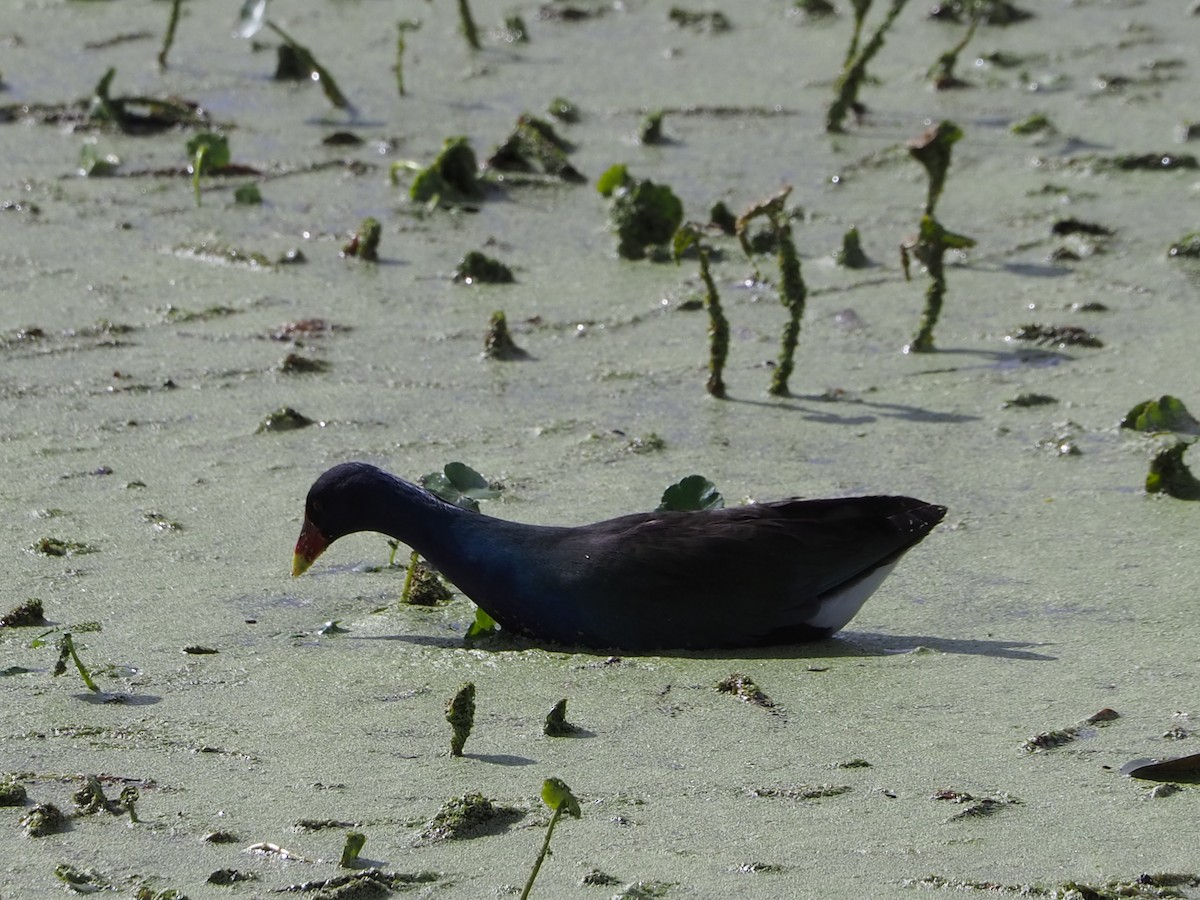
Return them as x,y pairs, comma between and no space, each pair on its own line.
766,573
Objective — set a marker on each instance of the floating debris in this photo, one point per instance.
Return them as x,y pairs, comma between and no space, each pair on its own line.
27,614
465,817
976,807
284,419
1187,247
365,243
1055,335
745,689
1048,740
52,546
801,792
1025,401
43,819
479,268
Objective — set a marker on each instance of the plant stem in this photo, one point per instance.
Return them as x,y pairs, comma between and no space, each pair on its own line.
855,73
537,863
83,672
792,294
718,330
169,37
408,577
468,24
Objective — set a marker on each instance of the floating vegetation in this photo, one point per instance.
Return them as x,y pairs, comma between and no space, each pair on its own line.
1038,123
247,195
816,9
53,546
851,255
649,443
208,152
498,343
534,146
460,713
854,70
27,614
1063,227
93,163
295,364
643,214
801,792
479,268
452,178
1170,475
718,325
82,881
465,817
1146,885
1049,740
365,243
714,22
1187,247
990,12
89,799
976,807
369,883
556,724
557,796
222,254
1027,400
43,819
1060,336
690,494
745,689
283,419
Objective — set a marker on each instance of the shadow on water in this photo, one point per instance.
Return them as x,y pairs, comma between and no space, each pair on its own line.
843,645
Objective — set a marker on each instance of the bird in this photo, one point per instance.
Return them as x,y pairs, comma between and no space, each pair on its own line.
762,574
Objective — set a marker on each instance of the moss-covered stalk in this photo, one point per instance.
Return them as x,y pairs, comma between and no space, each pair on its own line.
861,8
718,330
932,150
460,713
855,71
556,795
792,295
467,21
942,72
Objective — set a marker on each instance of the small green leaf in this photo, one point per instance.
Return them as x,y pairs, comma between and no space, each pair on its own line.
215,153
248,195
483,626
1167,413
355,841
613,178
556,795
459,484
695,492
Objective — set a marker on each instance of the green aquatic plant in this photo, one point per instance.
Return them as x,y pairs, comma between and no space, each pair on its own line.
93,163
651,131
365,243
690,494
854,71
66,651
643,214
851,254
467,25
452,178
792,290
1187,247
535,146
207,152
557,796
556,724
1176,429
128,801
169,34
355,841
942,72
297,62
402,29
460,713
136,114
933,241
718,325
25,615
247,195
479,268
498,342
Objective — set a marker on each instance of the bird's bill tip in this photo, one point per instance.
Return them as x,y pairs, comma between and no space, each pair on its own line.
309,546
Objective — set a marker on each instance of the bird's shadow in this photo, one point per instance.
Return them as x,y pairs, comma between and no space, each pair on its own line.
846,644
